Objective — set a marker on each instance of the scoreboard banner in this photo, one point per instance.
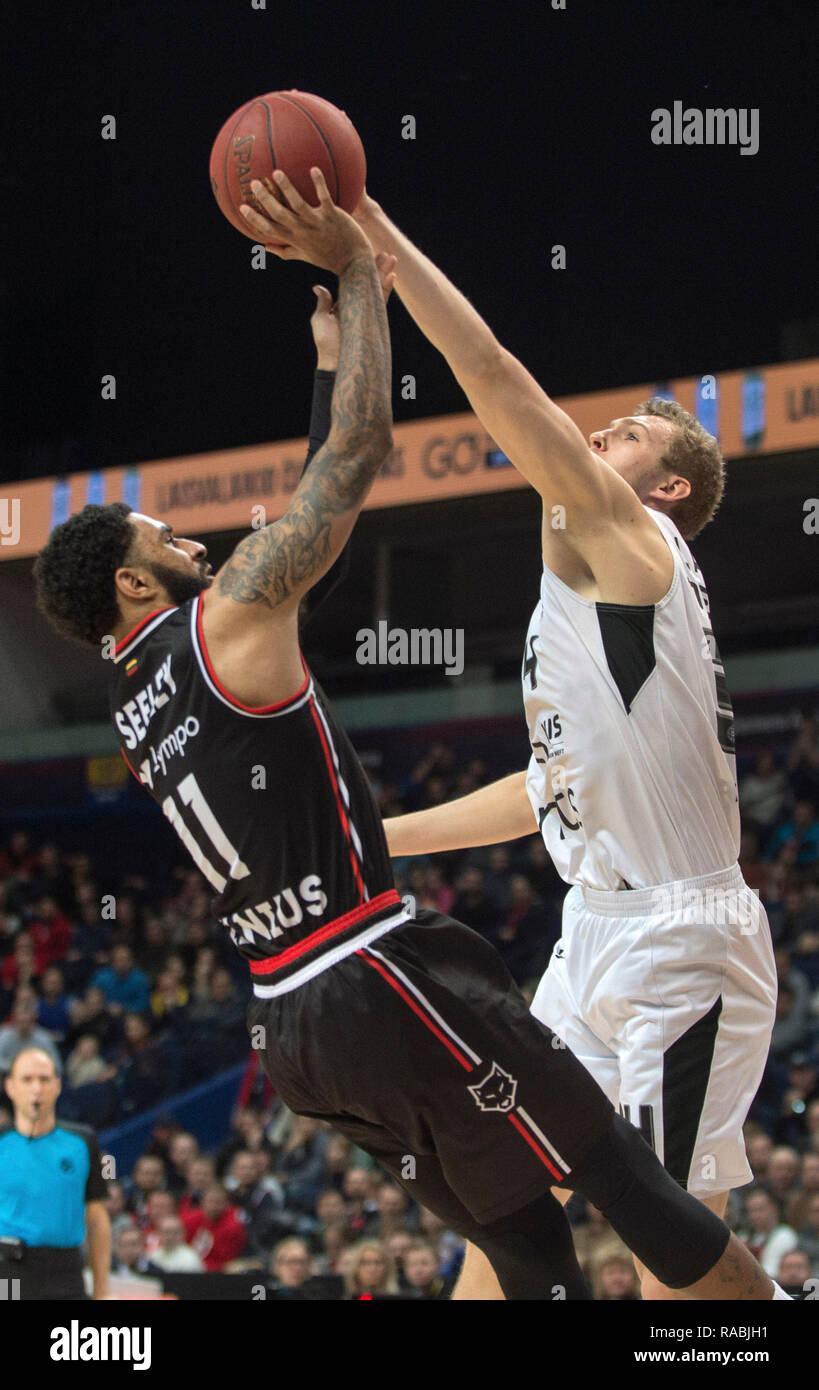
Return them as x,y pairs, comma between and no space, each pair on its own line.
767,410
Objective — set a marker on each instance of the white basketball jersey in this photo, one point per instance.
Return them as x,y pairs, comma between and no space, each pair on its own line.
633,773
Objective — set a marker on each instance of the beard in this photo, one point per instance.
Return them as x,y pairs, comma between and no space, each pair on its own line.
180,588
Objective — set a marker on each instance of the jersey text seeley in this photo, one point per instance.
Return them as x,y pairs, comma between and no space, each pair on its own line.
135,716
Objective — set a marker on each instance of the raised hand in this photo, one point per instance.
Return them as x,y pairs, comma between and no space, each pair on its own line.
294,231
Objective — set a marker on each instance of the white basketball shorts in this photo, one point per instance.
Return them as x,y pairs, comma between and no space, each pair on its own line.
667,996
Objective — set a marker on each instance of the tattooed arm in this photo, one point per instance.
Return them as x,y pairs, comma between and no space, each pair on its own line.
277,565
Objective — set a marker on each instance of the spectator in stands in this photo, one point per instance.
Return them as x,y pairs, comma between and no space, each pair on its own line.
202,972
254,1202
472,904
92,1015
10,923
392,1204
370,1270
25,964
120,1218
248,1137
172,1255
754,871
794,1272
144,1065
91,944
215,1229
129,1254
762,797
541,872
449,1244
154,947
50,929
182,1150
758,1148
766,1235
802,1090
422,1270
290,1263
52,878
337,1159
783,1174
158,1205
124,985
20,862
397,1246
808,1232
800,834
331,1209
23,1031
431,890
613,1276
299,1165
589,1236
525,933
55,1006
85,1065
148,1176
17,855
169,1000
497,876
803,761
438,765
200,1176
799,1203
362,1212
793,1007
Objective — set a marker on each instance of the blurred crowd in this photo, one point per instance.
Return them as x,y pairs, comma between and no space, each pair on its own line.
138,997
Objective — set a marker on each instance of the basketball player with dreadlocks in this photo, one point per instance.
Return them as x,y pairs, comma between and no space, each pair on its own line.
408,1036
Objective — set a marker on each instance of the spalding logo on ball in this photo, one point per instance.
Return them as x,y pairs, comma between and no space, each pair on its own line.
292,131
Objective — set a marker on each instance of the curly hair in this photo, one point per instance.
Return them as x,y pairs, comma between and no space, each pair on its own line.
74,572
694,454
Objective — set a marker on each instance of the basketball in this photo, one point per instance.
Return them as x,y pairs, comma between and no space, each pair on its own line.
292,131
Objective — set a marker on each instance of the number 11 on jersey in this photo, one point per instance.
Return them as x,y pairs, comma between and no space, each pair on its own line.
215,837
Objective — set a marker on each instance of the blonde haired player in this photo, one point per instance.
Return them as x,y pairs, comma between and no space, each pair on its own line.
663,983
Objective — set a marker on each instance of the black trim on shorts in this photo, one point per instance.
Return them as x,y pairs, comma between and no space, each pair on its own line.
686,1072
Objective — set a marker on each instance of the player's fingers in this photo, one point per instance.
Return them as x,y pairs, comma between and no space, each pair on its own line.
324,304
321,188
276,210
294,198
266,228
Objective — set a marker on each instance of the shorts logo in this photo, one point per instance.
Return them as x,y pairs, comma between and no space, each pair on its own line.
497,1091
66,1165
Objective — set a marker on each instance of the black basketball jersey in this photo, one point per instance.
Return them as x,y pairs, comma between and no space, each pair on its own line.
272,803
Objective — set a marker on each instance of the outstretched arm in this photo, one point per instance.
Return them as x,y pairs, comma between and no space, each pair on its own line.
282,562
542,441
326,336
501,811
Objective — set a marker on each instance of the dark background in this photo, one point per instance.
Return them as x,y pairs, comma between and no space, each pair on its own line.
533,128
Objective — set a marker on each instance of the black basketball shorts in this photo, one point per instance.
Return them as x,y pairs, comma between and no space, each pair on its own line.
422,1050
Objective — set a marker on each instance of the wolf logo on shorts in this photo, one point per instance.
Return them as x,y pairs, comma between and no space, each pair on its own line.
497,1091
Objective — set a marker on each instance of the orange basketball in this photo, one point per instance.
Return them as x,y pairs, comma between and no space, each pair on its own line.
292,131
